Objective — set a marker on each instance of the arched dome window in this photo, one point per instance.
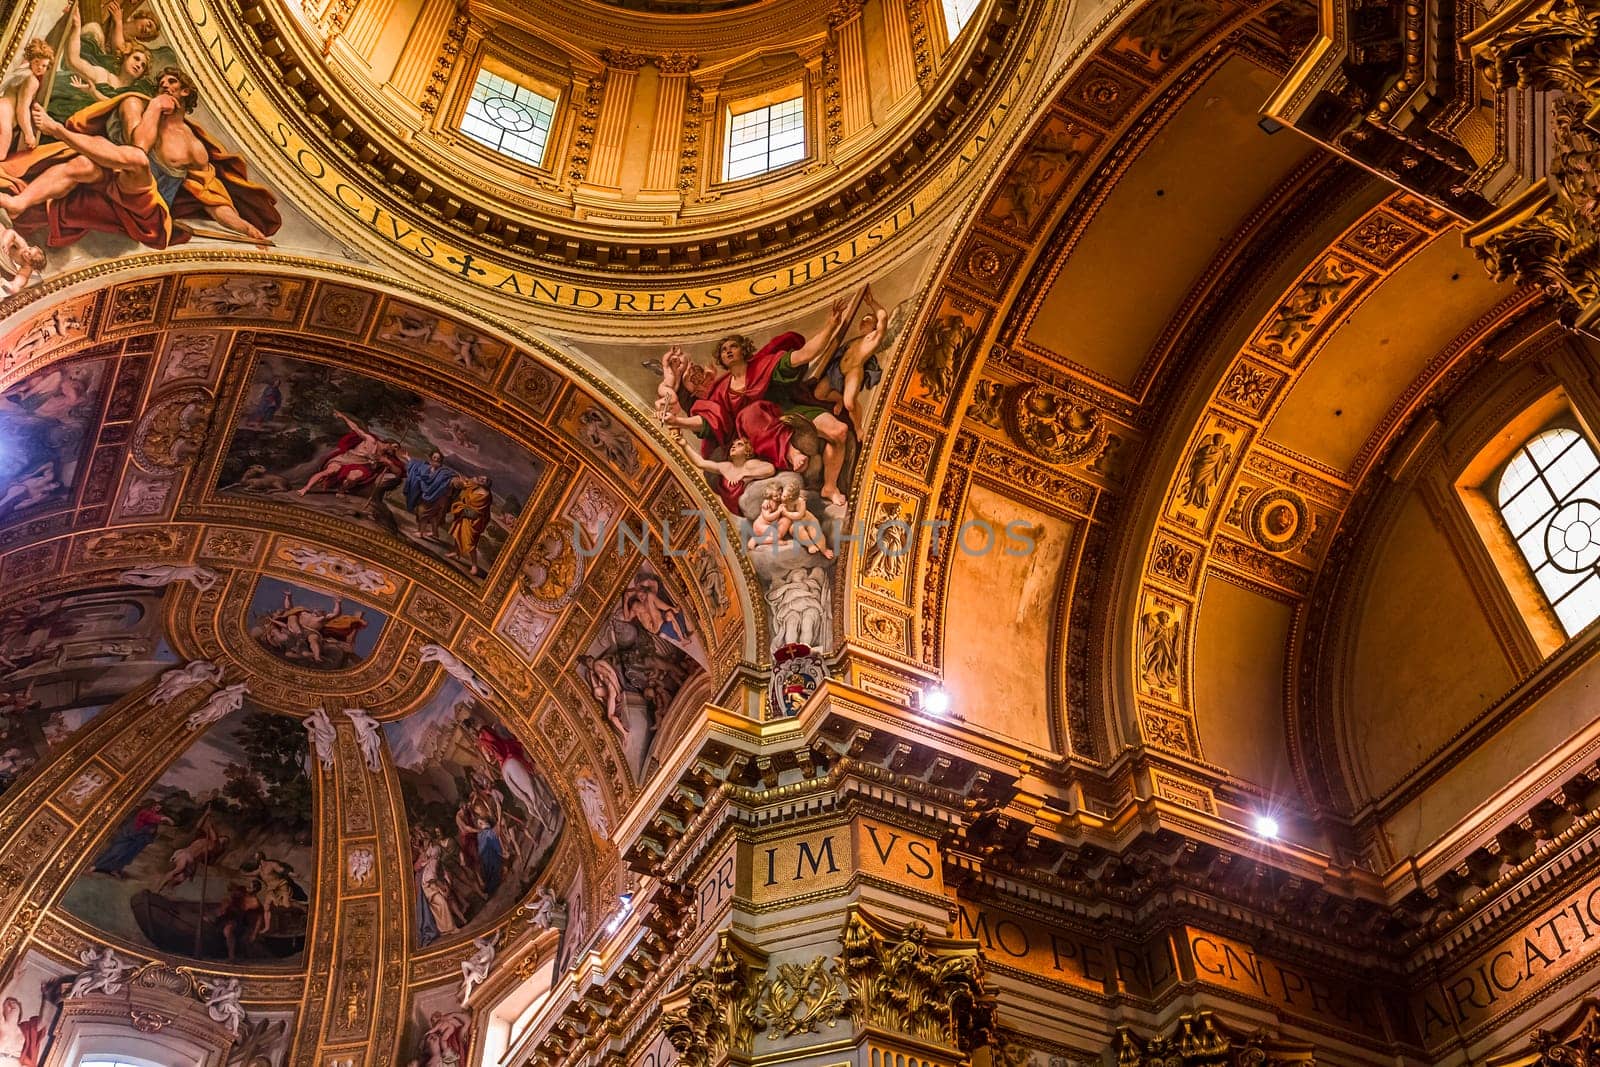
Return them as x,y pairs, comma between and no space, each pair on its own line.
1549,496
765,135
508,116
956,14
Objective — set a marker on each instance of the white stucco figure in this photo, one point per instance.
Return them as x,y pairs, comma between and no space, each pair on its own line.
475,968
180,680
158,575
456,669
102,973
369,737
320,736
223,702
222,1004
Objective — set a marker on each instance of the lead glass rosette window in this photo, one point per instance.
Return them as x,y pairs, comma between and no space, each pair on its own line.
1549,496
765,138
508,117
956,14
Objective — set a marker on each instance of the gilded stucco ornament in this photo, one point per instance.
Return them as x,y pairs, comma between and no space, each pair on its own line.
1200,1039
1054,427
907,981
1575,1043
1546,235
713,1011
889,979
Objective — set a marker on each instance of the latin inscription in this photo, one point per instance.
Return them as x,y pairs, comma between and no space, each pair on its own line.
1511,971
1098,966
1222,961
436,251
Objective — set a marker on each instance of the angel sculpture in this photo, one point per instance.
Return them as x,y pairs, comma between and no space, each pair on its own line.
453,666
223,702
594,806
368,737
102,973
222,1004
541,909
320,736
475,968
155,577
180,680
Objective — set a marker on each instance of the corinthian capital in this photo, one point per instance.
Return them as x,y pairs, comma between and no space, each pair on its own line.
677,63
843,11
1541,45
622,59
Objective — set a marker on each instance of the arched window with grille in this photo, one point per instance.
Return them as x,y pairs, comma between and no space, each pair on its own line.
1549,497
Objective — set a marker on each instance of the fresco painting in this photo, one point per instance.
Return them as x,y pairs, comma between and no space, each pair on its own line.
96,79
380,456
639,662
215,861
483,821
65,659
30,1004
439,1032
427,333
773,417
309,628
44,423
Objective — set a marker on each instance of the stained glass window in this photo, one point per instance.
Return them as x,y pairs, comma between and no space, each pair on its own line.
956,14
765,138
512,119
1549,495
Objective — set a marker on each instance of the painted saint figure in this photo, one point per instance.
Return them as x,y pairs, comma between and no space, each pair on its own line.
506,753
436,909
134,165
428,488
359,461
469,517
206,848
20,1039
276,887
744,401
133,839
18,93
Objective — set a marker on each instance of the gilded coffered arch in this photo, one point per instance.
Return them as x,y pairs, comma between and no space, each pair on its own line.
1061,437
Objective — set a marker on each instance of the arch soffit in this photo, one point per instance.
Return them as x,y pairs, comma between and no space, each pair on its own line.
1129,76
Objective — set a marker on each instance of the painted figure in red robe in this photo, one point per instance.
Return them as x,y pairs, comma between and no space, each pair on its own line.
761,396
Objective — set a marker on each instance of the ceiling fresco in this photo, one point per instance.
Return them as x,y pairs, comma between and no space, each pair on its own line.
300,649
70,202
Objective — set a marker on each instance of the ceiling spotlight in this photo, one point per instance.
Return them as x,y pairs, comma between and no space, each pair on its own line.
624,906
1266,826
936,702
